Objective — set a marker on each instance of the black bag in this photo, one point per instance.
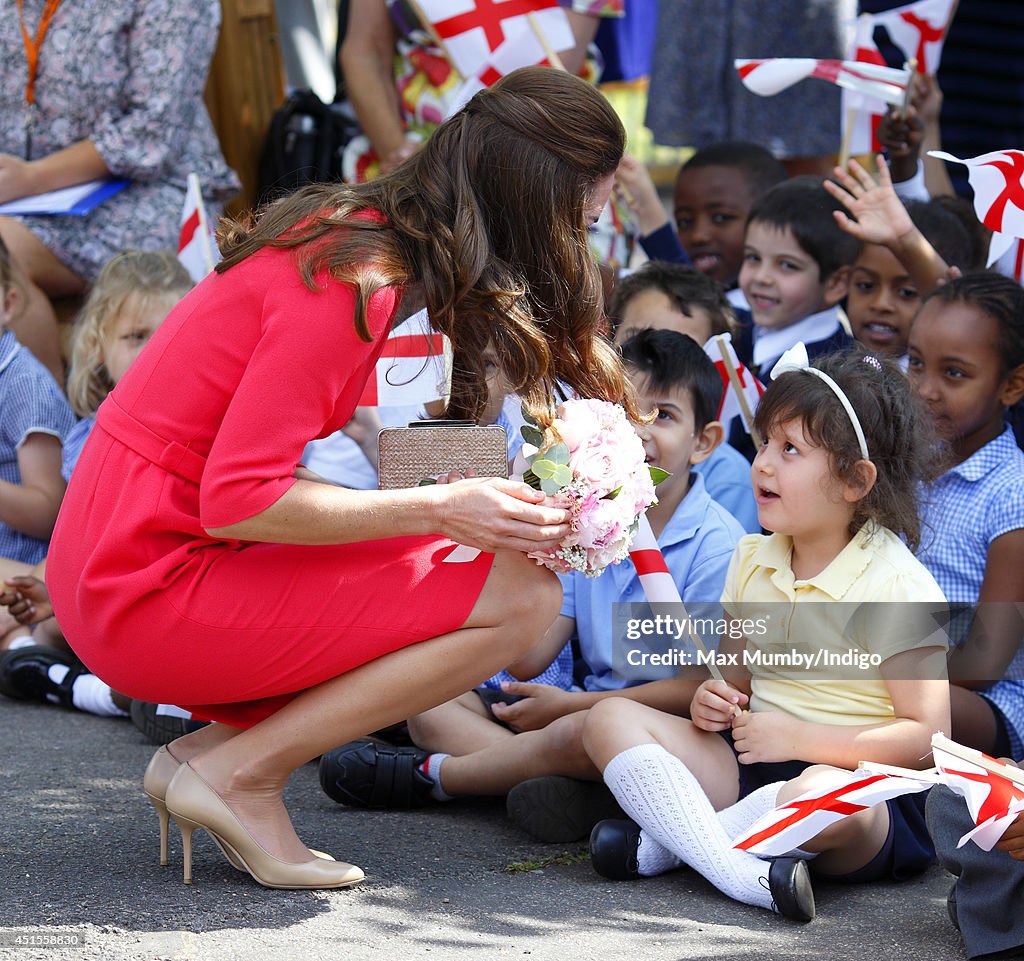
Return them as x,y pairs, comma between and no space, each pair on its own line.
304,145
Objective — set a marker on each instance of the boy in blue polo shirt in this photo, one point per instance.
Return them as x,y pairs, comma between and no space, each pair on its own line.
528,744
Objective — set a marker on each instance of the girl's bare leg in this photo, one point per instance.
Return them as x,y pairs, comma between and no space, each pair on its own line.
460,726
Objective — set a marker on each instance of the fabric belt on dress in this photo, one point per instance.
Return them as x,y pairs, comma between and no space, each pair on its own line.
173,457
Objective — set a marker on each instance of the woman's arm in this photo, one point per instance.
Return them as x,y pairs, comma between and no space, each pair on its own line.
31,506
489,514
367,59
77,164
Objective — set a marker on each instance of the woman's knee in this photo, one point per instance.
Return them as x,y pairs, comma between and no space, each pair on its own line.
522,595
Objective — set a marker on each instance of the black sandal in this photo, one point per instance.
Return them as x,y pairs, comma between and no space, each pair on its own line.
370,775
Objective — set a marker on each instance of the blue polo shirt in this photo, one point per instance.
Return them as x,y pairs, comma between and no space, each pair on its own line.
962,513
697,543
726,476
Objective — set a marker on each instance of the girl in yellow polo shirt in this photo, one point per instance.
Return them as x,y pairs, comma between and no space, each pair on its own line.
841,663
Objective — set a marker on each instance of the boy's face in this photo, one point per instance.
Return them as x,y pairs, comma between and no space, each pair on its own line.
711,207
654,308
782,283
882,300
671,441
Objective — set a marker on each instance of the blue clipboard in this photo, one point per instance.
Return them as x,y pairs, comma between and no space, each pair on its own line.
59,203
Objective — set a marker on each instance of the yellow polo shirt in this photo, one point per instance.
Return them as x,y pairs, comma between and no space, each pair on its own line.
815,645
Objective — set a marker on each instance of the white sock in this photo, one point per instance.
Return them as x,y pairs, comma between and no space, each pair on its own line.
91,695
432,768
26,641
736,818
653,858
657,790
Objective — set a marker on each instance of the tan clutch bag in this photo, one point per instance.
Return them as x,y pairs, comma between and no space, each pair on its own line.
426,448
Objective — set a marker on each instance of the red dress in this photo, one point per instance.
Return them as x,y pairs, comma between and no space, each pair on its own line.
207,429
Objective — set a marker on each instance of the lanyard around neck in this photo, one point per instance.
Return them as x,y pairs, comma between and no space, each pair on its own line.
34,45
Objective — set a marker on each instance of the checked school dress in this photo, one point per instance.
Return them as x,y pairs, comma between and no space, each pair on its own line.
207,429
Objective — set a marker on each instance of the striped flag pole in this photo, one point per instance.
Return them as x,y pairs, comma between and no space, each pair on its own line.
658,585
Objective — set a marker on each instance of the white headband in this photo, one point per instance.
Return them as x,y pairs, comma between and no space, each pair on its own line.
795,359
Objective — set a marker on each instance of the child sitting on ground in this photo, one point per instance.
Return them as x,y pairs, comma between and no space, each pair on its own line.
132,295
666,296
966,357
836,479
464,751
36,420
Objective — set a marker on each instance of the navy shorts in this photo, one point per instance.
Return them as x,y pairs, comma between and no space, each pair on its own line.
907,849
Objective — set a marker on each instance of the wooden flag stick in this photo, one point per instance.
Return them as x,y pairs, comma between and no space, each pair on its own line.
549,51
204,230
971,756
734,382
844,149
428,25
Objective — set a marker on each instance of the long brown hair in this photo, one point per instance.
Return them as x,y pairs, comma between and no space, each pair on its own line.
489,219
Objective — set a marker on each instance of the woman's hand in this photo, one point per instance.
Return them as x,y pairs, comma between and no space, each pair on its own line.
16,180
715,704
764,736
493,514
541,705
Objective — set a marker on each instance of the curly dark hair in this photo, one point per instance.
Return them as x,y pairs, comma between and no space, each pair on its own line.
898,433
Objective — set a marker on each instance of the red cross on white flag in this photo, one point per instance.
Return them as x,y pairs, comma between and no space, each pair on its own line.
412,367
524,50
919,30
752,388
791,824
472,29
993,798
863,114
996,179
197,249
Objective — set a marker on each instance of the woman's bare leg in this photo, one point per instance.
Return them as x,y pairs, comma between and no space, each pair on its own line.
249,771
38,275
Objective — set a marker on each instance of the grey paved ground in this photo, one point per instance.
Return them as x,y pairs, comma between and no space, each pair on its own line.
78,854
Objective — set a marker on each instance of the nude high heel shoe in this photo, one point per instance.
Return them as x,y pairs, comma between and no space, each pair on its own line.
194,804
161,770
162,767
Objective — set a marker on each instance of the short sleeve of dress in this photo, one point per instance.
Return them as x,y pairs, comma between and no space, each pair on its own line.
33,404
568,582
303,377
170,47
1006,511
598,8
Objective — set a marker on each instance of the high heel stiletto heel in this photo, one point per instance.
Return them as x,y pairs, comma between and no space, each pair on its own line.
194,804
162,767
161,770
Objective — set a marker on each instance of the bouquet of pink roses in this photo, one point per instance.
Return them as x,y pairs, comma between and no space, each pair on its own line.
592,454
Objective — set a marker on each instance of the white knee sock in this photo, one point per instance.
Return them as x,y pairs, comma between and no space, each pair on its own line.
432,768
27,641
657,790
652,858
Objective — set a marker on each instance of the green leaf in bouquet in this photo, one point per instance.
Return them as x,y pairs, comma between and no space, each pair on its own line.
426,482
611,495
550,486
543,467
658,475
562,475
559,453
532,435
527,416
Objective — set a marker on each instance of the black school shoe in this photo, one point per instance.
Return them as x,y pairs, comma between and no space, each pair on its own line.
560,809
161,728
613,849
379,776
789,882
25,675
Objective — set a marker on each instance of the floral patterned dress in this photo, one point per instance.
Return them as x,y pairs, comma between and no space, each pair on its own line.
129,76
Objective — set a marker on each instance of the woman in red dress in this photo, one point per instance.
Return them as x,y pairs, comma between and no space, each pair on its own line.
196,562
